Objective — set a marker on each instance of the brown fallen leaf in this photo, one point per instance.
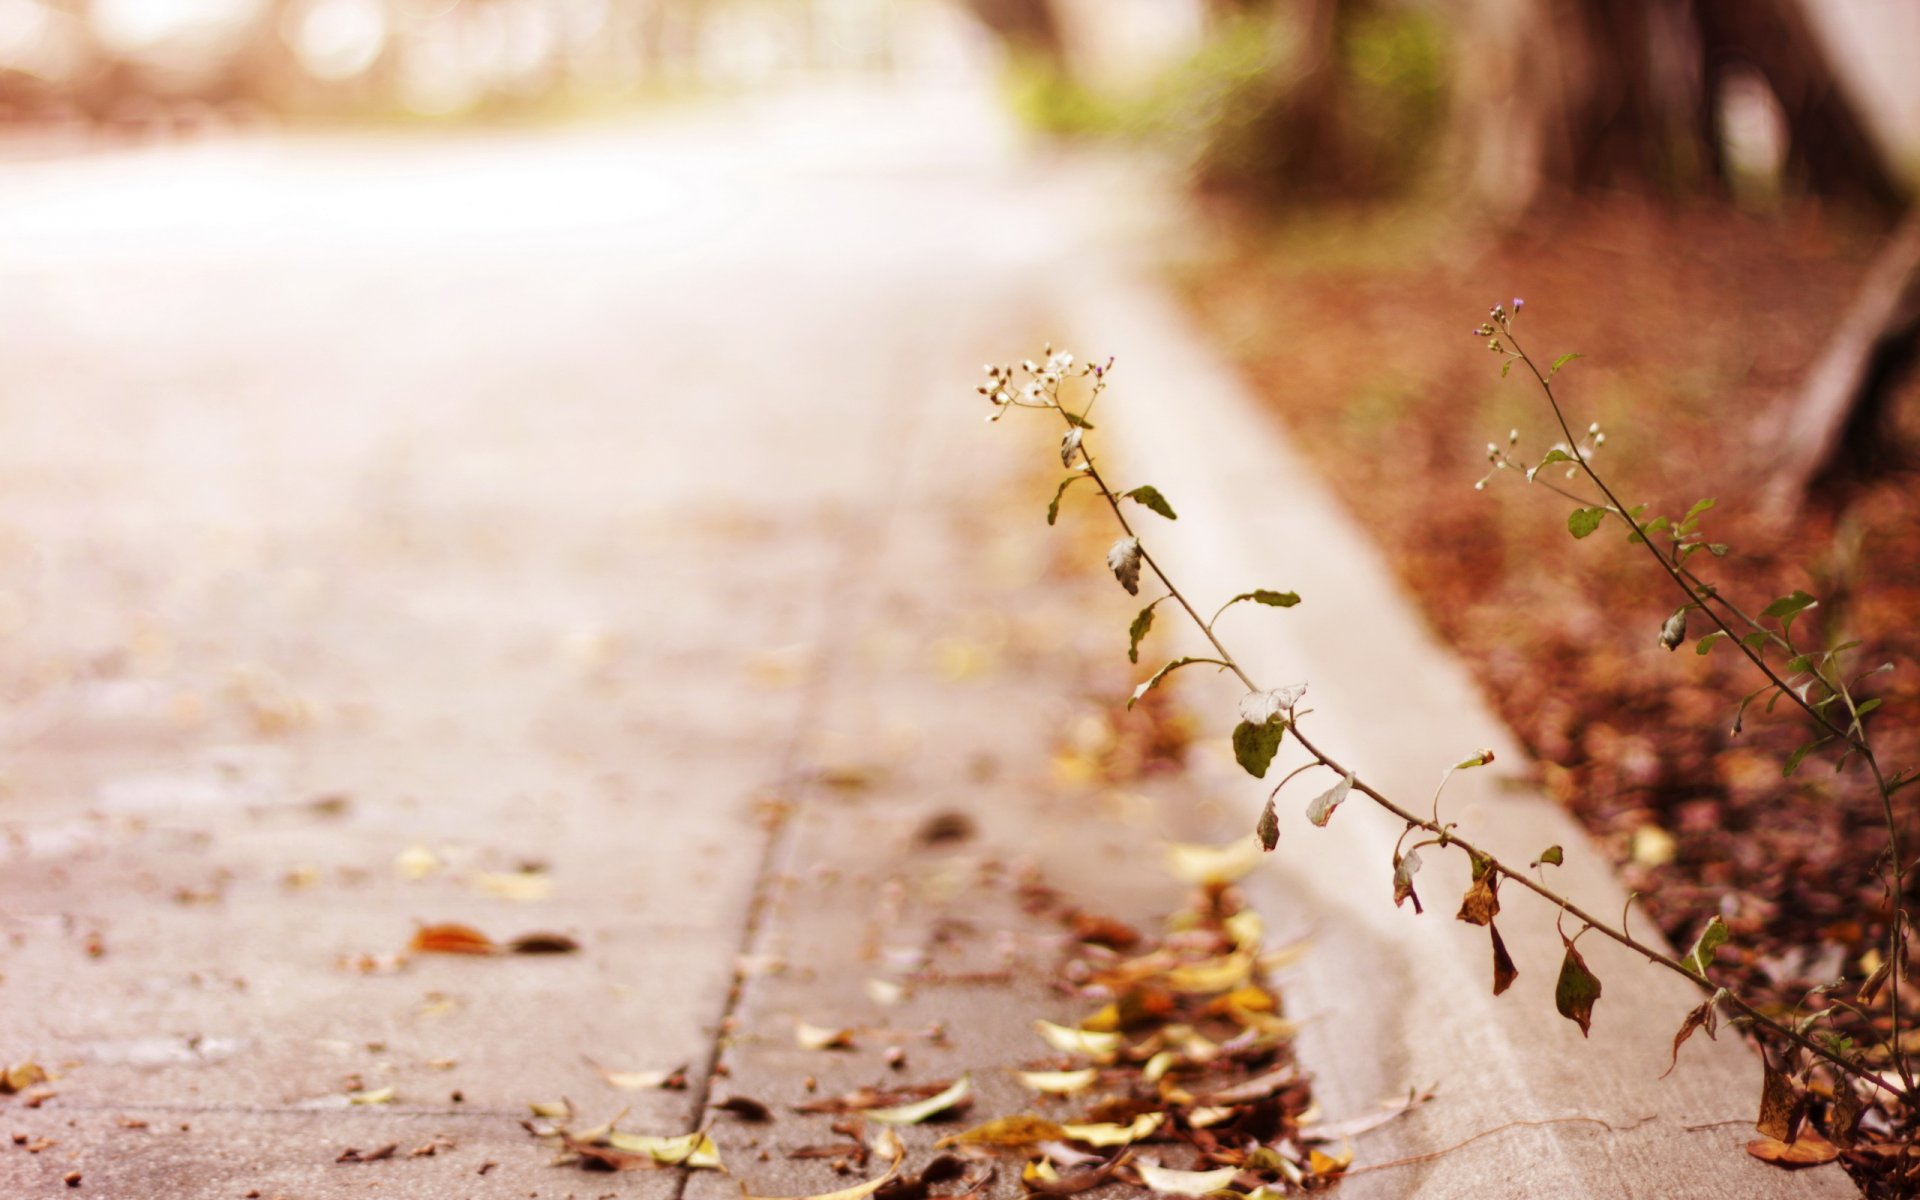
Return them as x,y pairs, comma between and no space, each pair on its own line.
746,1108
21,1076
1023,1129
542,943
1104,931
1807,1150
1776,1119
351,1155
451,939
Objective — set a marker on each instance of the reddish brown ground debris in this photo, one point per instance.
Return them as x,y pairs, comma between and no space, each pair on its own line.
1696,324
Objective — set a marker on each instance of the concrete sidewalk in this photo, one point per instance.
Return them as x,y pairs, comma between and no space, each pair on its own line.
598,537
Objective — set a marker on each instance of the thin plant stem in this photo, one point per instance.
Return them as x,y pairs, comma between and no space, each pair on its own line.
1445,835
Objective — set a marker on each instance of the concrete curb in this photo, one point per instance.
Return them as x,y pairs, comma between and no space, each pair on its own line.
1391,1000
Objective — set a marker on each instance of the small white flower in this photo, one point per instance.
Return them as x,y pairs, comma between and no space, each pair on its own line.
1060,364
1033,393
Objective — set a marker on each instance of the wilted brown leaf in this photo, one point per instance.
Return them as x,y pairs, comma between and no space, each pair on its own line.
451,939
1482,901
1504,972
21,1076
351,1155
1845,1115
1703,1016
746,1108
819,1037
543,943
1776,1106
1104,931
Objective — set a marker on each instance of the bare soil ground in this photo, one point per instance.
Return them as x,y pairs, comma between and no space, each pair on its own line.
1696,324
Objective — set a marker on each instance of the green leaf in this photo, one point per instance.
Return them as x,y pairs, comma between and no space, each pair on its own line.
1705,947
1583,521
1142,622
1699,506
1705,644
1150,497
1153,681
1555,455
1053,510
1865,707
1255,745
1786,608
1505,367
1553,856
1123,559
1799,755
1320,811
1717,549
1562,361
1076,420
1271,599
1576,989
1740,713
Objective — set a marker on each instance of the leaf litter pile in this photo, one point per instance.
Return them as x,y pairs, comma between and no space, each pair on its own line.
1695,326
1171,1070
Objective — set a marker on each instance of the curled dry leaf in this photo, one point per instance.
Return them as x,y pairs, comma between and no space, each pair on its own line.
377,1096
1095,1045
1405,867
20,1076
1776,1106
1703,1017
641,1081
451,938
953,1097
819,1037
1482,901
525,887
1059,1083
1123,559
1108,1133
695,1150
352,1155
1205,866
857,1192
747,1109
1268,830
543,943
1807,1150
1184,1183
1320,811
1024,1129
1504,972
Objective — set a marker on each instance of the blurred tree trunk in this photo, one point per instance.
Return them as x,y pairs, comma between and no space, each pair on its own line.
1027,26
1584,94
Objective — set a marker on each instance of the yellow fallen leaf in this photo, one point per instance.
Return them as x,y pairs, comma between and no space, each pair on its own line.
695,1150
1203,865
1184,1183
913,1114
415,863
1108,1134
639,1081
819,1037
1023,1129
1328,1164
552,1110
526,887
1059,1083
21,1076
1040,1170
1215,975
1159,1065
378,1096
1245,928
885,992
1105,1019
1205,1115
1093,1044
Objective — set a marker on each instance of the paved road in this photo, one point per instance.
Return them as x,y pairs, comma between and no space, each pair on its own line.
504,499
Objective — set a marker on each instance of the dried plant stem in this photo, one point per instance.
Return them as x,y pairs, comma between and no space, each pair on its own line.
1445,834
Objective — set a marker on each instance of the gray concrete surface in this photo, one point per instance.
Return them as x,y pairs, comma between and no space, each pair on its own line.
616,503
